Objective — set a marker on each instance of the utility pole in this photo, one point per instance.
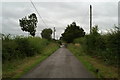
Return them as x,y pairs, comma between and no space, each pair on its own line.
90,17
54,30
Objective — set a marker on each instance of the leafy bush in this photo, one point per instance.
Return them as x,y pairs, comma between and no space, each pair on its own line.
112,40
104,46
8,49
37,43
24,47
21,47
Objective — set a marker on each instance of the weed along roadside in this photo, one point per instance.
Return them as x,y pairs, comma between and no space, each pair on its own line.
94,64
21,59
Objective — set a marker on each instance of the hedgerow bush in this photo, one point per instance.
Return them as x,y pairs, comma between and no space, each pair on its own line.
104,46
21,47
38,44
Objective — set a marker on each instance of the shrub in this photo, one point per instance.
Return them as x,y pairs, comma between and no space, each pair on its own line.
8,49
24,47
37,43
104,46
21,47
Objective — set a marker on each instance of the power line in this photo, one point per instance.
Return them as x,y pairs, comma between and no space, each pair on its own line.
38,13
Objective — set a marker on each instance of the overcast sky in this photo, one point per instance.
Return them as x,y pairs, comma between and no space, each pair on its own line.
59,15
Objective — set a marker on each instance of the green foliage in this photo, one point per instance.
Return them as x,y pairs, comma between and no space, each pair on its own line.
94,30
8,49
94,42
21,47
24,47
29,24
50,49
19,67
92,63
71,32
104,46
112,41
46,33
80,40
39,46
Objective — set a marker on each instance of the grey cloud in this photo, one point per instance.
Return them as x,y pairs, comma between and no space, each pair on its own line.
60,14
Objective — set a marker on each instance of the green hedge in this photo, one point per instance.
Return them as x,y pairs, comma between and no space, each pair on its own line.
104,46
21,47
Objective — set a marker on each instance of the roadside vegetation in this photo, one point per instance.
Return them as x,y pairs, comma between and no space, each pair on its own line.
20,54
94,64
99,52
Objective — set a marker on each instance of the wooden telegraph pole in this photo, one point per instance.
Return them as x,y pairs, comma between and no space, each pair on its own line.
54,32
90,17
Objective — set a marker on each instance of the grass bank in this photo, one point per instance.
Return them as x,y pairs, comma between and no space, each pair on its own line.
93,64
16,69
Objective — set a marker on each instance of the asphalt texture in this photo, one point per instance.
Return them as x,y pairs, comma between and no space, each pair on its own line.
61,64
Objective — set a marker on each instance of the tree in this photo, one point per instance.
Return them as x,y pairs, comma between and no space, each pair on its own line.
94,30
29,24
71,32
46,33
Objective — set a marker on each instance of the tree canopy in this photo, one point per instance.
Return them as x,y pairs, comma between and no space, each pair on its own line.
29,24
46,33
71,32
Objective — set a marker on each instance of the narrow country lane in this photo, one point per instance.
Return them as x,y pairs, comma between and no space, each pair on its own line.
61,64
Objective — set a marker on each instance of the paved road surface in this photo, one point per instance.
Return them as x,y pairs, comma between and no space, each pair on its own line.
61,64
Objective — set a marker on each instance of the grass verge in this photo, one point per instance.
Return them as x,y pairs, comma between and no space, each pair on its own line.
18,68
92,64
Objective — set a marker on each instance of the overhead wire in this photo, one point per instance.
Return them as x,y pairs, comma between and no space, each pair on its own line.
38,13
